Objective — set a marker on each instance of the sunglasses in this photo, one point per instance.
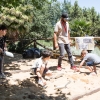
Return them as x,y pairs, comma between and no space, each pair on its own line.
66,18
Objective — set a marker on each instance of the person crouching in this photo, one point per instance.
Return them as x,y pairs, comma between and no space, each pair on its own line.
40,67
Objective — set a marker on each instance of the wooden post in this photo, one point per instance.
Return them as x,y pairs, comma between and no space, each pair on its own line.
53,44
35,45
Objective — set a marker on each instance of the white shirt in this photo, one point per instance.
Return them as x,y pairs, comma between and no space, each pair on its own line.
62,35
39,63
92,57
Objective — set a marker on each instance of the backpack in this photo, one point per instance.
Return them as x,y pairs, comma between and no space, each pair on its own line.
31,53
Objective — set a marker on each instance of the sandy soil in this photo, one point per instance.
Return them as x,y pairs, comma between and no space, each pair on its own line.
63,85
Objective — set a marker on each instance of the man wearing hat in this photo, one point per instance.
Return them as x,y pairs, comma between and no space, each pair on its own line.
62,40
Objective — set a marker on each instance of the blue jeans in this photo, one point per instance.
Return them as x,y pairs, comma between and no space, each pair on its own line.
1,63
66,47
90,63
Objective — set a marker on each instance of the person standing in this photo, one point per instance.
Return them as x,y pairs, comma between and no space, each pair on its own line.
3,30
62,40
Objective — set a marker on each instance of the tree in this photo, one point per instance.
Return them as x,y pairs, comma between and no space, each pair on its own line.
80,27
20,19
17,19
76,11
31,19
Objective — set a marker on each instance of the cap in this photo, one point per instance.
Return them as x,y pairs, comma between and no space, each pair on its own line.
64,15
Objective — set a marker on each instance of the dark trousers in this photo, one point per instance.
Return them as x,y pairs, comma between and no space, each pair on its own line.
1,63
66,47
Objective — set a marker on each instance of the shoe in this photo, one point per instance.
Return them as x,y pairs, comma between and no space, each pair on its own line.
93,74
32,71
40,82
59,68
2,76
74,68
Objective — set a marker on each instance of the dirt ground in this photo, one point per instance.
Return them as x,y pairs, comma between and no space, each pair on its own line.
63,85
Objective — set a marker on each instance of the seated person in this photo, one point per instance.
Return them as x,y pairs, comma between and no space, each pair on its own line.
40,67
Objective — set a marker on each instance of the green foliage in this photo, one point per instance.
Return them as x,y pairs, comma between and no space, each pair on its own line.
25,22
17,19
48,44
82,21
15,3
32,19
41,26
76,11
96,50
44,20
80,27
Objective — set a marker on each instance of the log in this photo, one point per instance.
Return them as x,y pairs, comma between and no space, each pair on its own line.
63,86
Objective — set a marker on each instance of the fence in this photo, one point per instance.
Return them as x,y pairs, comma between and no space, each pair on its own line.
56,52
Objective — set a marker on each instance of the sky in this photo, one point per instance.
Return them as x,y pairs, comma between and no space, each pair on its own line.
86,4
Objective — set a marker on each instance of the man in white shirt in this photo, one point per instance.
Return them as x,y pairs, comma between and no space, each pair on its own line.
62,40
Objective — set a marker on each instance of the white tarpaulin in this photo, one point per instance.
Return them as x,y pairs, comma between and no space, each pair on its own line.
84,43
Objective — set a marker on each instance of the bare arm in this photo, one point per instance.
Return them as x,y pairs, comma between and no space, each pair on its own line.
81,64
55,40
68,34
40,76
1,51
38,73
5,47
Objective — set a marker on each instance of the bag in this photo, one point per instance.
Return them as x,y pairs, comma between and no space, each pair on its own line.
32,53
9,54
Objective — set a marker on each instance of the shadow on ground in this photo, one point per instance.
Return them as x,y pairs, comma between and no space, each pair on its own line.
26,89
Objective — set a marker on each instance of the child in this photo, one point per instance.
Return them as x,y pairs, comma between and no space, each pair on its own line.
40,67
91,60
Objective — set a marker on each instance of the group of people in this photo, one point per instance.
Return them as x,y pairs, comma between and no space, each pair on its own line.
61,41
41,69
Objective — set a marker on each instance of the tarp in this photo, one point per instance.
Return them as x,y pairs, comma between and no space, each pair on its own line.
86,43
